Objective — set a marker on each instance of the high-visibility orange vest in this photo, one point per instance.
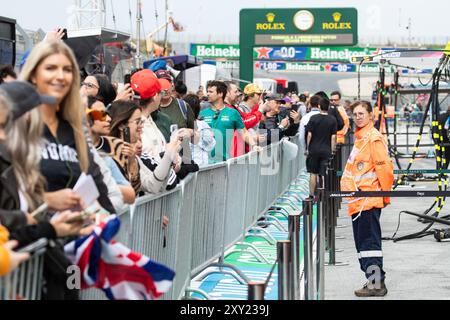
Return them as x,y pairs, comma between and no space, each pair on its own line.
340,136
369,168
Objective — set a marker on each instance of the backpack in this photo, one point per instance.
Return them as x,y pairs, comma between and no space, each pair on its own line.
183,108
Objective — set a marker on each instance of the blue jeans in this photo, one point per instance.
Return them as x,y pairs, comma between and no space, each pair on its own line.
367,235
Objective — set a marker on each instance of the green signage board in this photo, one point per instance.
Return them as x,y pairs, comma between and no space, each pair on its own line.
294,27
215,51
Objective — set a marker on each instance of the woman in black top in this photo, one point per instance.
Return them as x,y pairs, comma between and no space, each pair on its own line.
53,69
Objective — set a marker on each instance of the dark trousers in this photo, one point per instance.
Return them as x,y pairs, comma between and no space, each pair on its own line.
367,235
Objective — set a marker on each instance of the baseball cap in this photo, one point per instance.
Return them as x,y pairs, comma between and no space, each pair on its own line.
164,74
275,97
145,84
287,100
24,97
252,89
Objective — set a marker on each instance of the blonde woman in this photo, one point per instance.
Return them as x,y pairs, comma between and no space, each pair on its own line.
52,68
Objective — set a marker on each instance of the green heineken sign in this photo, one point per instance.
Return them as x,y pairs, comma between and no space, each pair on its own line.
215,51
338,53
343,54
295,28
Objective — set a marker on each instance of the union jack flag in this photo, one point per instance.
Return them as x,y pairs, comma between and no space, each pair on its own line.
115,269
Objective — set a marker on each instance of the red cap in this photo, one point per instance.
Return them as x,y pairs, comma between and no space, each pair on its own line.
165,85
146,84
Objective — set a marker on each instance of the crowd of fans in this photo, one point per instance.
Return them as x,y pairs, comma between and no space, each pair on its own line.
142,140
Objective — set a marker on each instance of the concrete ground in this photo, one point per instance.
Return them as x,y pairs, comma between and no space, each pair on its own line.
415,269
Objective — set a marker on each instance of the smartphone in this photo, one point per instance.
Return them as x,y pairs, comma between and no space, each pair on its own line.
80,218
127,79
127,135
39,212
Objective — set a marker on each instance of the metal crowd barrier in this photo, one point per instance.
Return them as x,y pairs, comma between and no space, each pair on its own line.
210,212
25,283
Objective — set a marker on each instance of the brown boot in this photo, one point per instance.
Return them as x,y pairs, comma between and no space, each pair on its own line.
365,291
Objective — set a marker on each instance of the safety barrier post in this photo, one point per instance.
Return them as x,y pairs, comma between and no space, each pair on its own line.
331,215
327,207
407,137
320,267
284,269
339,157
256,290
331,207
308,252
294,237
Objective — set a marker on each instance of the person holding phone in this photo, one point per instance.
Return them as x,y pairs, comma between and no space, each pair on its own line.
127,124
21,183
99,122
52,68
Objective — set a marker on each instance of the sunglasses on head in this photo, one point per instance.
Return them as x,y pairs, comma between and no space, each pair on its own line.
98,115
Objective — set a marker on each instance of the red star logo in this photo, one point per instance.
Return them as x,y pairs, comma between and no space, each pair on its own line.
257,65
263,53
328,67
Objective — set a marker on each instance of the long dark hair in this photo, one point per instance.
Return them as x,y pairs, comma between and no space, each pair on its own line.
120,112
106,92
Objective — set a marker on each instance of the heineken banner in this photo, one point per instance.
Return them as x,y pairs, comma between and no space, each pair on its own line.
215,51
310,53
317,67
232,52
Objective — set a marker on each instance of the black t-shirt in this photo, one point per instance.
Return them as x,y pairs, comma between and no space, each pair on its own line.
322,127
61,168
59,164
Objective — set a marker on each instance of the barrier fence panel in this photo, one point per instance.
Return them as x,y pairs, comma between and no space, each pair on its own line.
270,163
25,282
188,228
209,206
253,178
124,235
236,199
151,236
274,183
184,235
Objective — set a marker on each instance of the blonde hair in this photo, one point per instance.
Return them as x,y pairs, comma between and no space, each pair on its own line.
71,106
5,110
26,157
